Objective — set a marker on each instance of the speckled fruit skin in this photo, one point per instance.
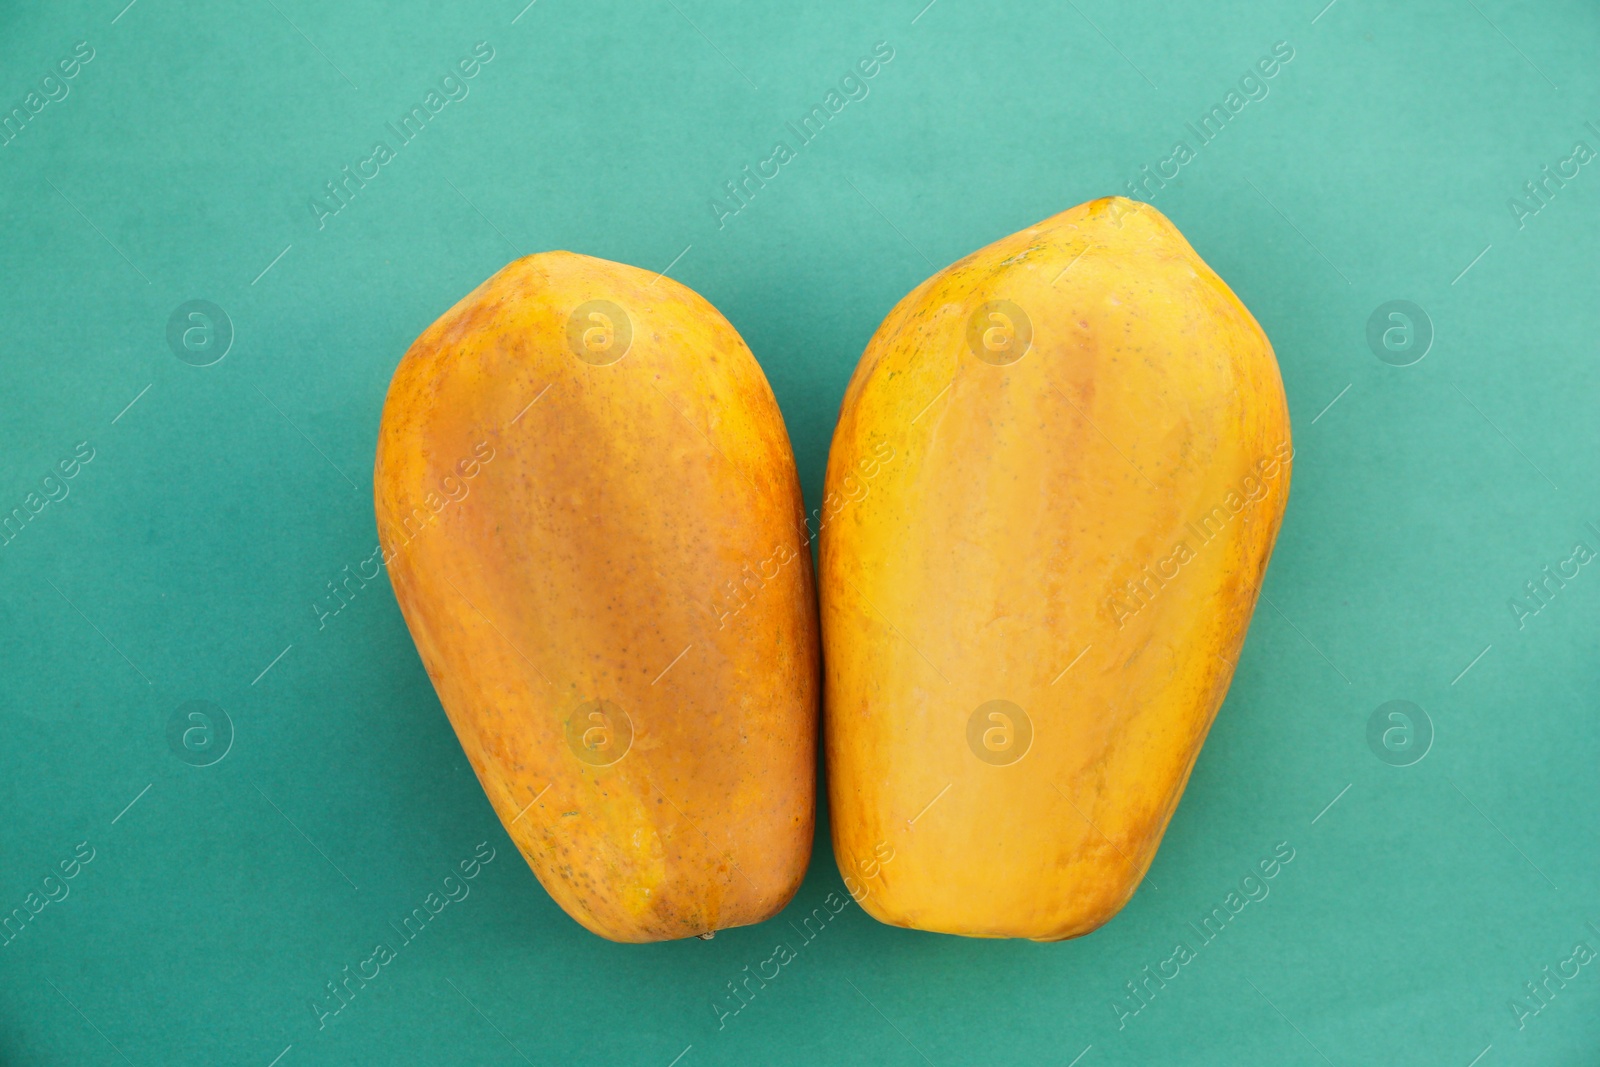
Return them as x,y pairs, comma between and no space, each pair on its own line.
1082,532
635,535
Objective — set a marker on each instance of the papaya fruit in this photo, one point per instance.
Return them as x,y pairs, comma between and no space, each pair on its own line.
1055,483
587,502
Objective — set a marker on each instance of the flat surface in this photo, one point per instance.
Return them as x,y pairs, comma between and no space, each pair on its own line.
185,561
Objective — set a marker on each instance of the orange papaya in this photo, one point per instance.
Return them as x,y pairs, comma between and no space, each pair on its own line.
588,507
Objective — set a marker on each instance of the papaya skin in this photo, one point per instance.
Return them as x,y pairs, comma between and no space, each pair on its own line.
604,566
1081,532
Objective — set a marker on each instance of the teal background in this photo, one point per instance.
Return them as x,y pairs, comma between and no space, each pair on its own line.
217,507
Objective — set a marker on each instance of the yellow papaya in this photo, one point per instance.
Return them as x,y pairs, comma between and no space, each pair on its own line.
588,506
1056,479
